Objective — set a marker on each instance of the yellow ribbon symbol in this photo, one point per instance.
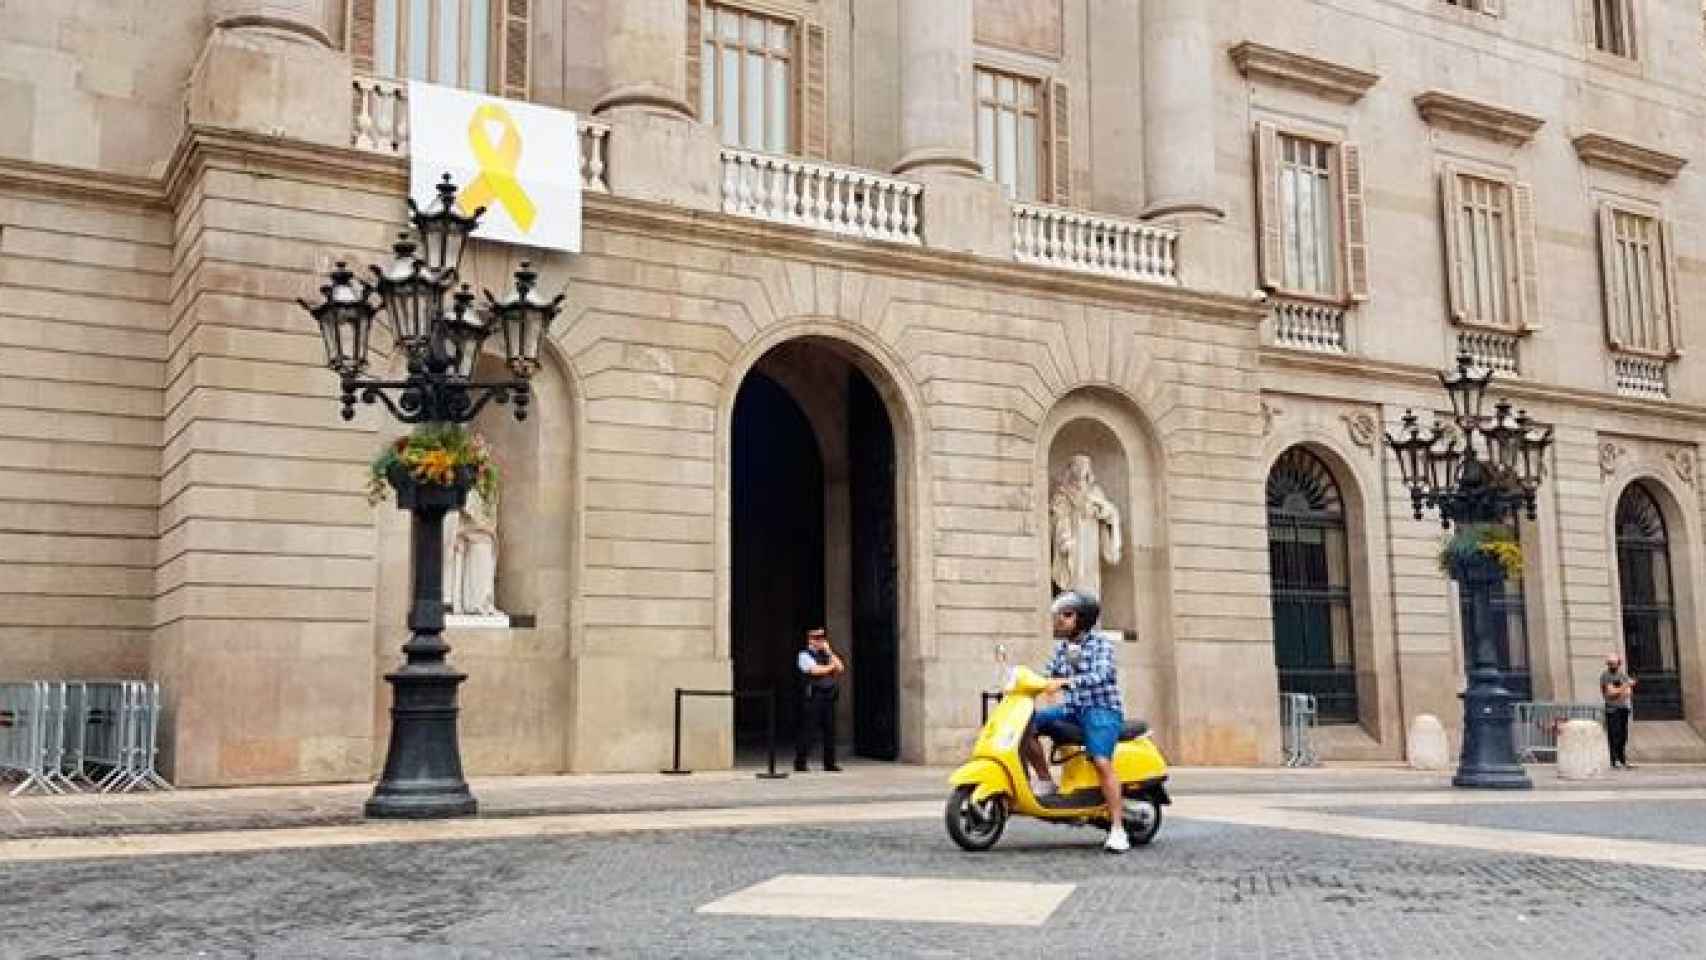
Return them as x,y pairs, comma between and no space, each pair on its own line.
497,167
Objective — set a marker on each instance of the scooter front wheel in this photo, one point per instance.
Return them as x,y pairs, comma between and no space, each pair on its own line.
973,825
1142,820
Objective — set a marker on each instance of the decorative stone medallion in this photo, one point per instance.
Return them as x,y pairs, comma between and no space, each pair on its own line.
1683,462
1362,429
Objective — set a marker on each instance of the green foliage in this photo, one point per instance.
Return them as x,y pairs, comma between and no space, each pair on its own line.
1494,540
436,453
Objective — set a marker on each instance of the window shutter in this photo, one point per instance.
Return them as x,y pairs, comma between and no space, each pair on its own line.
814,91
1527,255
695,43
1269,220
1451,205
1060,143
1610,288
359,43
517,49
1355,228
1668,236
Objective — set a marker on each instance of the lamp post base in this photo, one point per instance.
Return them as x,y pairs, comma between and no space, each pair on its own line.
1489,760
423,766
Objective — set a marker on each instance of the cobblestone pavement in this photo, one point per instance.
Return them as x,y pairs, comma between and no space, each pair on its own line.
261,807
1203,890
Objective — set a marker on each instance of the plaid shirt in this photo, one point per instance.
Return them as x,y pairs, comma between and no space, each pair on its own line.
1089,664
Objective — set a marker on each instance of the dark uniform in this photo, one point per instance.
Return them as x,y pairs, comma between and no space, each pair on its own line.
817,713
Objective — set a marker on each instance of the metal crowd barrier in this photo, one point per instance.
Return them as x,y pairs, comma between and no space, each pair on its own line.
67,737
1536,726
1297,722
769,698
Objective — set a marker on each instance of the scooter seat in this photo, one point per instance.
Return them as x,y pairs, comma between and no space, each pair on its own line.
1067,732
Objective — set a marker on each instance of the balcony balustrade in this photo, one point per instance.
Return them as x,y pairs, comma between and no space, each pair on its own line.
1306,325
1645,377
1091,243
1496,351
821,196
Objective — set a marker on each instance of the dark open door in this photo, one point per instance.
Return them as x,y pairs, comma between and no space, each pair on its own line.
777,552
876,617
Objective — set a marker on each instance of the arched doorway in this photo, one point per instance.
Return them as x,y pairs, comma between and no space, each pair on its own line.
1649,604
1309,563
813,539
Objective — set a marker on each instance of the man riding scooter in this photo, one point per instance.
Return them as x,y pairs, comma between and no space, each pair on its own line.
1083,667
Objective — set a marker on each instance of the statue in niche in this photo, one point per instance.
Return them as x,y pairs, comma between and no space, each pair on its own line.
1086,527
471,559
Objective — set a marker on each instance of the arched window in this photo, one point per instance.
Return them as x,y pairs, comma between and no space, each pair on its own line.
1309,562
1510,633
1649,606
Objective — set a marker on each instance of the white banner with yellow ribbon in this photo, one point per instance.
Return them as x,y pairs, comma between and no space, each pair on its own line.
519,160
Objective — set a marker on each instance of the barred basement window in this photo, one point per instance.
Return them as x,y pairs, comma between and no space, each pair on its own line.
1489,7
746,77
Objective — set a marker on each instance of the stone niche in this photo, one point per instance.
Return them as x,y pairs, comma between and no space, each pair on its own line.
1136,593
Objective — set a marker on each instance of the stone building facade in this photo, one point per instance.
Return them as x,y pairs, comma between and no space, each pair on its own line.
860,277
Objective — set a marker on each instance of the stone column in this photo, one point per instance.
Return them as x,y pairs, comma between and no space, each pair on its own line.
645,45
938,127
270,67
963,211
308,20
1178,109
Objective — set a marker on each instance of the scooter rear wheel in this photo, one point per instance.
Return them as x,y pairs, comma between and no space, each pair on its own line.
975,826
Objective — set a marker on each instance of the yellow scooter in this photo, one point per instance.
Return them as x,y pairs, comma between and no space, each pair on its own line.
993,785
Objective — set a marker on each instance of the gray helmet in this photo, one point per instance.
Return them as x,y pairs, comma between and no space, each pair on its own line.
1082,602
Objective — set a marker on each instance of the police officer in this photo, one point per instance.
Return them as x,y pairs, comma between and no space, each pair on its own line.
822,671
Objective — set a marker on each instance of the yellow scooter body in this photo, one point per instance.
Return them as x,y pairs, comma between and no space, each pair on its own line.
996,768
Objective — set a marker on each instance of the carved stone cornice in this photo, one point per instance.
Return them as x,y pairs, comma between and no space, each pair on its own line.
1323,78
31,178
1604,150
1496,123
204,145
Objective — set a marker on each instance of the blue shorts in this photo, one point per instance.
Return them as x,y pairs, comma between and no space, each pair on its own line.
1101,726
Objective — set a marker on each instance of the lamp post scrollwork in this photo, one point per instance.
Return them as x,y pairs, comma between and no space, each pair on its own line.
440,331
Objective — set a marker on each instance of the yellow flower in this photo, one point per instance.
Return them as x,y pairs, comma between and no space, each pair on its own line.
436,466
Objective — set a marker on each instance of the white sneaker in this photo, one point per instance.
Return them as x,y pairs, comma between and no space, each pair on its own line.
1117,842
1044,788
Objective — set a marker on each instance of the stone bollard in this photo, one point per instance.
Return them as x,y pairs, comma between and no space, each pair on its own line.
1428,747
1583,753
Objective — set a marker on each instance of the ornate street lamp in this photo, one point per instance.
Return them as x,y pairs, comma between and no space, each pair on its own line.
441,342
1480,469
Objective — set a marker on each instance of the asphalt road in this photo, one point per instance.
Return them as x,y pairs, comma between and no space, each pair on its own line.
1203,890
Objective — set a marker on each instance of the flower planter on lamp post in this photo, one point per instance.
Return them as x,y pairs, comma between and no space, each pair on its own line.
1490,478
441,342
